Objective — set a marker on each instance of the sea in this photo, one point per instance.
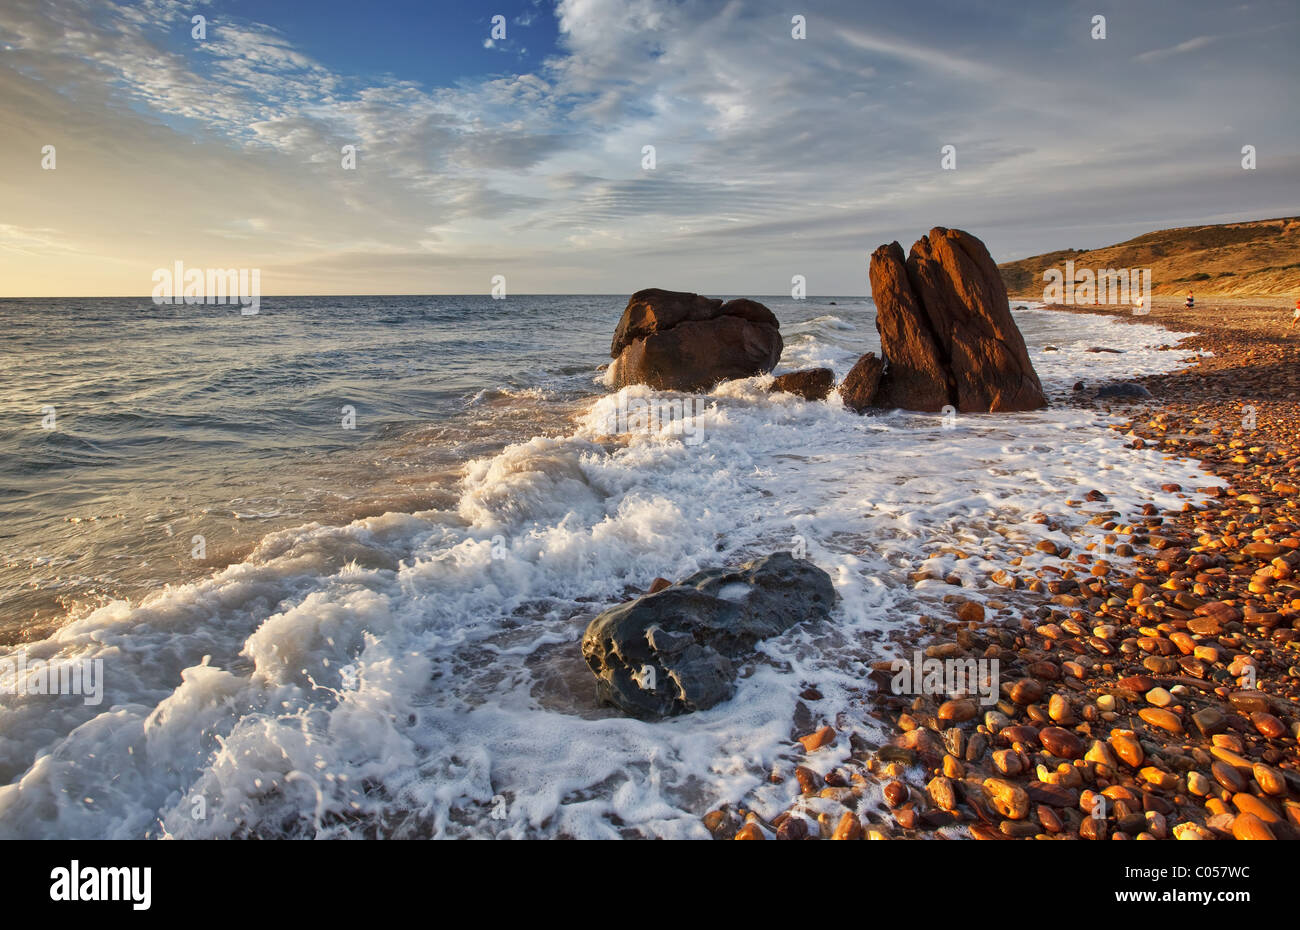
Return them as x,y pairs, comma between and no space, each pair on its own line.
330,564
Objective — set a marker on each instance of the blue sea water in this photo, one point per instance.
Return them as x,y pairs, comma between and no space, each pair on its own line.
380,637
177,421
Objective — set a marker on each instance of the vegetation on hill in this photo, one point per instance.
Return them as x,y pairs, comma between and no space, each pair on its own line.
1259,258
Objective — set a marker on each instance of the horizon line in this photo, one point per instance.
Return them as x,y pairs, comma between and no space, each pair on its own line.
173,303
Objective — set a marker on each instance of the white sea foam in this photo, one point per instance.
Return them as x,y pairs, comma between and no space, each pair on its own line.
418,674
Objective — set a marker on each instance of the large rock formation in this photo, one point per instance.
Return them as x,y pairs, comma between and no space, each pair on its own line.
672,340
946,329
918,378
671,652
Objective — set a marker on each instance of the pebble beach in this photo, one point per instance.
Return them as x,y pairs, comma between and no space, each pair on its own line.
1147,677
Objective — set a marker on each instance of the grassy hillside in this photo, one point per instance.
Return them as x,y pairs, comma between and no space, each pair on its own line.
1260,258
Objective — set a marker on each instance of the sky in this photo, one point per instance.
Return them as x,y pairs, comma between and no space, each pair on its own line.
524,155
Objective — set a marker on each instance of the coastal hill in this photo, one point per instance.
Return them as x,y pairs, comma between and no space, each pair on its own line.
1258,258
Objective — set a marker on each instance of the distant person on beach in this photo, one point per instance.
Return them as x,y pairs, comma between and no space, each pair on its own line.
1295,316
1191,301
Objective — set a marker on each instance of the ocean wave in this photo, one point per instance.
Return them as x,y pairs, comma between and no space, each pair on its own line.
829,321
417,674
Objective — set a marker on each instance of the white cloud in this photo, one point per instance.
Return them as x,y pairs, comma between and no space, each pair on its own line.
770,149
32,241
1190,45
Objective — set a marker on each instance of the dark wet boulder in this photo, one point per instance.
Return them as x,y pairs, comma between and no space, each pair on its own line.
810,383
675,651
674,340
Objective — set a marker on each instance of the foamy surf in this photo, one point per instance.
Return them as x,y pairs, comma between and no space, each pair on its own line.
417,674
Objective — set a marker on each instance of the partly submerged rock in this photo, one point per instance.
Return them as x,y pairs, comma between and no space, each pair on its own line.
809,383
674,340
672,652
858,389
946,330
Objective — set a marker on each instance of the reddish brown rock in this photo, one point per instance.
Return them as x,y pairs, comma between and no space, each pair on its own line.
1270,780
1061,742
1210,720
1019,734
807,779
1007,761
1127,748
946,329
1139,684
792,828
1162,719
1027,691
810,383
1093,828
1249,804
1008,798
1055,795
942,792
1252,702
1224,754
849,827
1227,776
1267,724
1250,827
673,340
858,389
814,741
1160,779
918,377
957,711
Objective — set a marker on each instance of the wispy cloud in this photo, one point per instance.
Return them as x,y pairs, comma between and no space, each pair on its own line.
788,155
1190,45
28,241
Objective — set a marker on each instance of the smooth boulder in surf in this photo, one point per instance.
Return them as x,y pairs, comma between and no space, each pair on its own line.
675,651
679,341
